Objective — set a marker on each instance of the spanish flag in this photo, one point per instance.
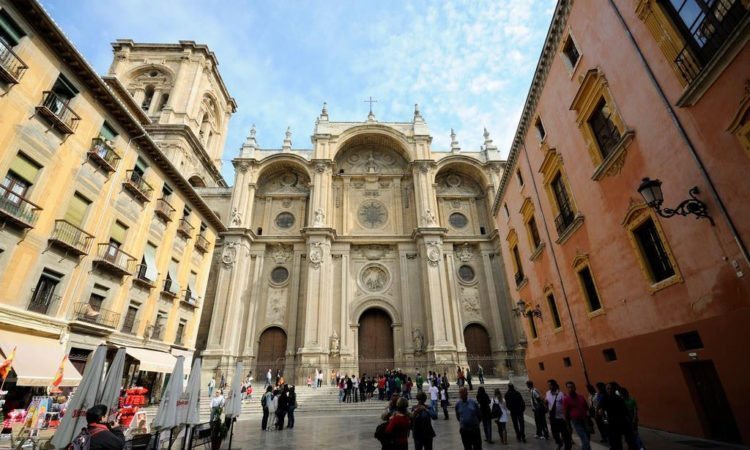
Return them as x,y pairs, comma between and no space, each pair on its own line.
59,375
6,365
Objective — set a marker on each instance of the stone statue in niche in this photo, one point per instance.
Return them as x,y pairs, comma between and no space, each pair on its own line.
418,339
429,217
236,217
319,217
335,343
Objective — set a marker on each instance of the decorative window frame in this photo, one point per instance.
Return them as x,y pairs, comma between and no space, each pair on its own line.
542,139
547,292
527,212
571,67
512,239
594,88
533,329
740,125
639,212
551,166
580,262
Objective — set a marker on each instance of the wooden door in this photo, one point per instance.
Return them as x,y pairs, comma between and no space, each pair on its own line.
711,401
478,348
271,351
375,342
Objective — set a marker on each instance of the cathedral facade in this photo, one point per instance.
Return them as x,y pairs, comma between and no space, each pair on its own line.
368,251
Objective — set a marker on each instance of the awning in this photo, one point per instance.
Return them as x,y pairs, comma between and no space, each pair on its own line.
37,360
152,360
188,359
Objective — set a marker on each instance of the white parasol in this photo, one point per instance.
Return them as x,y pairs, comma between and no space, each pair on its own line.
166,415
84,398
109,395
188,408
234,404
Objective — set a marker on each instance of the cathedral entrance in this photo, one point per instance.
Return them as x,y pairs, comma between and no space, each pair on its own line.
375,342
478,348
270,353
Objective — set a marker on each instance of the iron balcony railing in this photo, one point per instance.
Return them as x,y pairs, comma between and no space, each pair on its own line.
71,238
606,134
104,155
130,326
114,259
55,109
164,210
563,220
709,31
12,67
171,288
84,312
17,209
184,228
189,299
141,271
40,302
201,243
135,183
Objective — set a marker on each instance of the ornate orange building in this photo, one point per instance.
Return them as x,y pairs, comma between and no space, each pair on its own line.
609,282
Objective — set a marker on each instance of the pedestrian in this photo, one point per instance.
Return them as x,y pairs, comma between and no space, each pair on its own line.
468,379
223,382
618,420
632,406
434,397
265,403
443,400
540,411
516,405
269,375
468,416
363,387
399,426
282,406
211,386
348,391
421,420
460,377
486,411
102,437
355,388
500,413
560,430
292,405
217,405
577,413
480,373
420,382
595,398
320,379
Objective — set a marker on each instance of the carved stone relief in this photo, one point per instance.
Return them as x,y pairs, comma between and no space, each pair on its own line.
465,252
317,252
372,214
229,256
374,278
433,253
276,306
366,160
470,301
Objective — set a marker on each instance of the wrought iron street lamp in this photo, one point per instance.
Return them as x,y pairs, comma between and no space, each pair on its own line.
652,194
521,310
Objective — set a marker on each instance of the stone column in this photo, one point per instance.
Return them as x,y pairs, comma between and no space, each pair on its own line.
238,212
254,304
319,292
497,326
435,291
292,314
403,263
457,313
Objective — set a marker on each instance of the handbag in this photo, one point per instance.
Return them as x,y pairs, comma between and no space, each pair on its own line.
380,433
553,410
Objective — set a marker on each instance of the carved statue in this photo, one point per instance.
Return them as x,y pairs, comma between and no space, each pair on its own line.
335,343
236,217
429,217
319,217
418,341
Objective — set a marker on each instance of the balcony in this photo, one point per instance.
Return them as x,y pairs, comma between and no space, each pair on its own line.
11,66
41,303
171,288
201,244
17,210
564,220
164,210
137,186
110,258
71,238
184,228
130,326
55,109
141,278
189,300
103,155
89,320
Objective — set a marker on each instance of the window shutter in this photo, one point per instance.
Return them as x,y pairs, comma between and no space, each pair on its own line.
25,168
107,132
77,210
139,163
151,269
119,232
191,283
11,30
174,287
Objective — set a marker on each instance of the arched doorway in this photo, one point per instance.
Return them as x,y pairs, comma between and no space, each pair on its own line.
478,347
375,342
270,353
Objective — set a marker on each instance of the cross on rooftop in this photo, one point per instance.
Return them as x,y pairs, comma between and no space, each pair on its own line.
370,101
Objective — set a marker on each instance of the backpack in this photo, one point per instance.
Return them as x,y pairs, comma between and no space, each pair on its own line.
381,435
263,401
83,440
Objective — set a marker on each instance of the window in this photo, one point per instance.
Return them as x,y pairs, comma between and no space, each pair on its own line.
609,354
534,233
553,311
166,190
139,169
285,220
527,211
107,132
593,303
541,366
171,284
178,339
190,291
466,273
163,101
520,177
458,220
570,52
279,275
567,362
147,270
149,96
539,127
158,331
650,244
96,301
606,134
77,209
567,220
10,32
532,327
64,89
507,212
129,324
43,295
562,199
651,248
519,276
689,341
20,177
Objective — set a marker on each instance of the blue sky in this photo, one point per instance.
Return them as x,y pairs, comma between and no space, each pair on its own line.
467,63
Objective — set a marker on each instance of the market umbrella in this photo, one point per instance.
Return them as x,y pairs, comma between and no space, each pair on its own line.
234,404
189,406
84,398
166,415
109,392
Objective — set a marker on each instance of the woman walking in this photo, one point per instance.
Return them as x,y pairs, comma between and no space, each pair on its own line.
421,423
501,414
399,426
484,408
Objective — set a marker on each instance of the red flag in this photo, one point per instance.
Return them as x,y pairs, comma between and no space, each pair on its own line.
59,375
6,365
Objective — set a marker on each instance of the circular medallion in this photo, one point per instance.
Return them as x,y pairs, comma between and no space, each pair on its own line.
289,179
279,275
466,273
458,220
372,214
374,278
285,220
453,180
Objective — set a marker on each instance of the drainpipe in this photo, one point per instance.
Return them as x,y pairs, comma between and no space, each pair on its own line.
688,142
557,268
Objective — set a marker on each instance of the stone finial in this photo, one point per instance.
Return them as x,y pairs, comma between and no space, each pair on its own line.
287,147
455,148
488,144
417,115
250,145
324,112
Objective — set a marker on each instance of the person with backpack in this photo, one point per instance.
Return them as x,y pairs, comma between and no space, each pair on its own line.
265,402
399,425
500,413
486,411
516,405
421,423
98,435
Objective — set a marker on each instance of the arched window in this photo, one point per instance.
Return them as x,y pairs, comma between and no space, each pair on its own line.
147,99
163,101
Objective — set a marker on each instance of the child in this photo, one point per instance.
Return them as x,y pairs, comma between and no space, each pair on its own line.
309,382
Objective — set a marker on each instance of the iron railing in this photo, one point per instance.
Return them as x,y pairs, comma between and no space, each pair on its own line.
55,109
12,67
605,132
40,303
171,287
189,299
72,238
104,155
17,209
563,220
184,228
111,256
84,312
164,209
201,243
140,274
137,185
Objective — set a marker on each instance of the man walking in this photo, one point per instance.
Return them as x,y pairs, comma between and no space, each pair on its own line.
560,431
577,412
468,415
211,386
217,406
540,416
480,373
265,402
516,405
433,397
269,375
